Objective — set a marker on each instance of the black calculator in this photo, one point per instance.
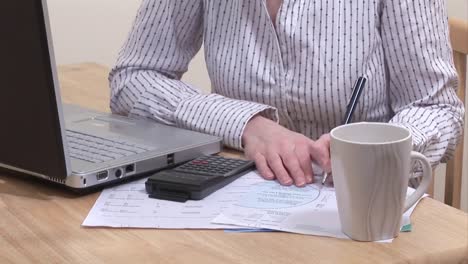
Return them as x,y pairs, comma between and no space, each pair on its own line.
197,178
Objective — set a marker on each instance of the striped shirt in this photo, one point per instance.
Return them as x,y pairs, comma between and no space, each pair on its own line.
299,71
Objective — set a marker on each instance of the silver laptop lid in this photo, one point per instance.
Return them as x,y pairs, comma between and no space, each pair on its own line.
31,138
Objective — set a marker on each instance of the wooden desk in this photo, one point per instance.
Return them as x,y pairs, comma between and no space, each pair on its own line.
40,223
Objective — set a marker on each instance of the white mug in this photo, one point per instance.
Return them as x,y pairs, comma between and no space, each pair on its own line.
371,168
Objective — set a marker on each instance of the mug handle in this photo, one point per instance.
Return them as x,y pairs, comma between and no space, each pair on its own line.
426,181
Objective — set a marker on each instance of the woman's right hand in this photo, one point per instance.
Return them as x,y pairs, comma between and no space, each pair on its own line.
282,154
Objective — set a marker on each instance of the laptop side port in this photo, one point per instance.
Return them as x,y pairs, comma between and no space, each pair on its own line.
130,168
170,159
102,175
118,173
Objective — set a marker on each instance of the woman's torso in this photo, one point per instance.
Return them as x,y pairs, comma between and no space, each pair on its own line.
305,65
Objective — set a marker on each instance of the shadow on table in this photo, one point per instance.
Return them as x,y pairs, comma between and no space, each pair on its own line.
21,184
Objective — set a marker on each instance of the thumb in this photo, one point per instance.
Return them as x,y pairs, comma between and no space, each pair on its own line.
320,152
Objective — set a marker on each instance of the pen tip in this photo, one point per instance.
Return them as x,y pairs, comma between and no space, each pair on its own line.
324,179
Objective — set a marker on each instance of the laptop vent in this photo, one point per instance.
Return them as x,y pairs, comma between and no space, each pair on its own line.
62,181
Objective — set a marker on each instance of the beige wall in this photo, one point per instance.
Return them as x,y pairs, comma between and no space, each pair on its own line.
90,30
459,9
94,30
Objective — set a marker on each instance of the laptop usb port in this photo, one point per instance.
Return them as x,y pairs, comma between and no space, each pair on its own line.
130,168
170,159
102,175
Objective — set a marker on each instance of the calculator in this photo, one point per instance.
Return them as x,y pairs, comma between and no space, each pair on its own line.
197,178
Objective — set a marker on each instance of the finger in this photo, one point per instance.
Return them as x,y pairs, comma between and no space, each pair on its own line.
262,167
303,156
276,165
321,155
324,140
317,153
291,162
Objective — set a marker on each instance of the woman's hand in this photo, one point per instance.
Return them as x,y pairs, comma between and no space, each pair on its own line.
282,154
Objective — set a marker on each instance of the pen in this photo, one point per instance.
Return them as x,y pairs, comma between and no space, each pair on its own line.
357,90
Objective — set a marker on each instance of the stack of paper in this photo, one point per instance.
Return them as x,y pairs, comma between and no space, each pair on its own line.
249,202
128,205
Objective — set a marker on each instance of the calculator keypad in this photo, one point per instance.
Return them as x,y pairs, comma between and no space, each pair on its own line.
214,166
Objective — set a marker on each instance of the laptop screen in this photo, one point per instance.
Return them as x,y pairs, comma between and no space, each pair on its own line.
30,137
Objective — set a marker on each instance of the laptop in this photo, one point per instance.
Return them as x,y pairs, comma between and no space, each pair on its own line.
65,144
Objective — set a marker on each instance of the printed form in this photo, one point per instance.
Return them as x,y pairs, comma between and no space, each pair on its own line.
128,205
249,202
310,210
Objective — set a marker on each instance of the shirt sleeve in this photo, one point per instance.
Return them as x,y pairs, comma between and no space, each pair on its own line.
145,81
422,77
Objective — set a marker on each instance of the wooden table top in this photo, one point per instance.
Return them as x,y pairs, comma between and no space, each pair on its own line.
42,223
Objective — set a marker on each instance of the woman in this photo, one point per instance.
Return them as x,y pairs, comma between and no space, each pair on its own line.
282,73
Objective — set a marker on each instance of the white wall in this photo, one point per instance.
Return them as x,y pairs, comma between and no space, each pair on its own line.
94,31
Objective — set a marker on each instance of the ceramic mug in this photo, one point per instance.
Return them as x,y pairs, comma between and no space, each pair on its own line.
371,168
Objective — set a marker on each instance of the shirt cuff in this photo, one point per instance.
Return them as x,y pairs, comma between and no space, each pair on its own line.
420,142
220,116
418,137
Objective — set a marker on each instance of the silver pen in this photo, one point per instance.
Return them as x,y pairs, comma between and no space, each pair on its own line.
324,179
357,89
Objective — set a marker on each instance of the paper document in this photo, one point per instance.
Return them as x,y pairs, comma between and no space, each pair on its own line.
128,205
308,210
250,202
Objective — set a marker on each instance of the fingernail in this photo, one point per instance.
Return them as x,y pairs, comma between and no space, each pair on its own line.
300,183
288,182
309,179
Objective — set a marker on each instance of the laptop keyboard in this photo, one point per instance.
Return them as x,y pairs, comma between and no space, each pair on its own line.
97,149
